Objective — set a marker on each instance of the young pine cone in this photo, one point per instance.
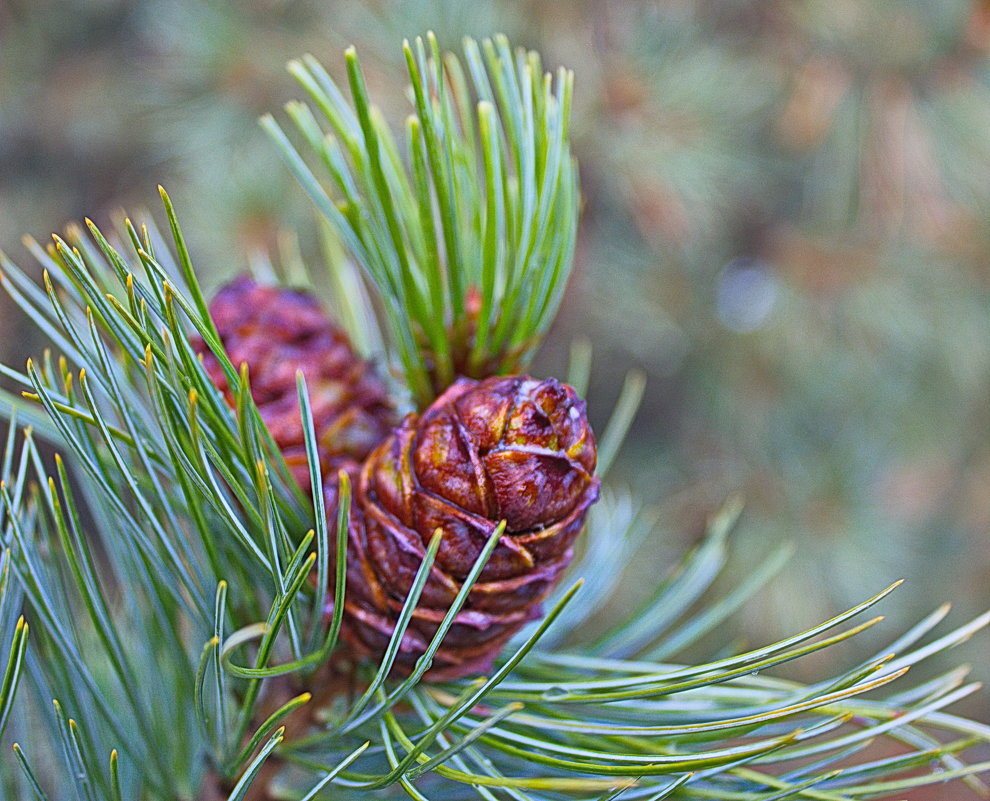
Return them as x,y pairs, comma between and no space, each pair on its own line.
277,331
505,448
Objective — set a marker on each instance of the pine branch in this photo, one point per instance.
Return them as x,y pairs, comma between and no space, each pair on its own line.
175,585
469,244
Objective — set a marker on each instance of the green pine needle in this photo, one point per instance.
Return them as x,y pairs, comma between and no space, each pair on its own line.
469,240
175,579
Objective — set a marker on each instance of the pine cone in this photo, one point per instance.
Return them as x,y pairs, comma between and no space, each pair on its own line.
510,448
277,331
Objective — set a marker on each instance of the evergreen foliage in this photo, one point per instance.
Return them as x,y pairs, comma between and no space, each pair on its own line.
469,245
173,575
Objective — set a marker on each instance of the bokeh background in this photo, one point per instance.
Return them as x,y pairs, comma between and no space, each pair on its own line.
786,226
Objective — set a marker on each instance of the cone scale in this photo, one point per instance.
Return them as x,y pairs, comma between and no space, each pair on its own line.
509,448
276,332
504,448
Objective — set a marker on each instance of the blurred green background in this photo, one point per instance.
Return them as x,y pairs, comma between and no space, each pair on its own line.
786,225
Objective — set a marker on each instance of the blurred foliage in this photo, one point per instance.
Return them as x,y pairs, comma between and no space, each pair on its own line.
787,224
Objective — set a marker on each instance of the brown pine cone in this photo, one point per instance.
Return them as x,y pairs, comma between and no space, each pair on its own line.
511,448
277,331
